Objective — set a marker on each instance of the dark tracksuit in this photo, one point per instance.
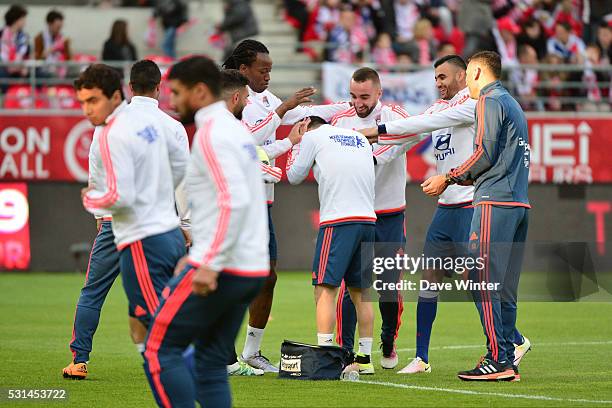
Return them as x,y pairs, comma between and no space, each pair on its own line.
499,169
102,270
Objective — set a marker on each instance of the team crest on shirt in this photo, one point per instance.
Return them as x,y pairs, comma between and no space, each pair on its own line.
149,134
250,148
265,101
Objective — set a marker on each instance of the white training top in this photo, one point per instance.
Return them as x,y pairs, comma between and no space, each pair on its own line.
390,169
96,175
144,161
343,165
452,125
226,193
262,120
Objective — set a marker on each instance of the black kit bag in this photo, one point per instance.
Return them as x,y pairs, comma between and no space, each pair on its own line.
301,361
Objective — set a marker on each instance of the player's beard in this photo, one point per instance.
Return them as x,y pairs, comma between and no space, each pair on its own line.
187,117
367,113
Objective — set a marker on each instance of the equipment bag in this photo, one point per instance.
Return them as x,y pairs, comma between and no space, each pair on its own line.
309,362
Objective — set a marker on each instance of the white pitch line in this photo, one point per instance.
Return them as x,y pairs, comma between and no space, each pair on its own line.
472,346
491,394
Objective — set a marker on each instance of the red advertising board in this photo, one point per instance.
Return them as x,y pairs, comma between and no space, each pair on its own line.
14,226
563,149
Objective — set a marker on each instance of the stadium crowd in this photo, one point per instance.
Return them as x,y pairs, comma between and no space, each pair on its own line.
386,32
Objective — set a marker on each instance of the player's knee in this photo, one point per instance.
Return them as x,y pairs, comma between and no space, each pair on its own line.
428,295
270,281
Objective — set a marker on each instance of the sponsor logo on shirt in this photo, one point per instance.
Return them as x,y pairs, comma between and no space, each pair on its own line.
348,140
443,146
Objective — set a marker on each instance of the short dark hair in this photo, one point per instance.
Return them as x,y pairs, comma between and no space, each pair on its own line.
245,53
101,76
315,122
491,60
567,26
196,69
452,59
144,76
232,80
366,74
14,13
54,15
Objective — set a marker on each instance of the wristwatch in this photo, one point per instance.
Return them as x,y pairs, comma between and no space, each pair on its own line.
448,180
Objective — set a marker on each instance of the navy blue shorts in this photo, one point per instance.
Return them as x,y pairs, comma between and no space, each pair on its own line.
272,242
338,255
449,231
146,267
390,229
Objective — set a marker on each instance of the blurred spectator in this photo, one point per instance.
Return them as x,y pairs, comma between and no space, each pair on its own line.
118,47
407,13
347,41
14,42
598,12
440,15
238,23
445,49
475,19
604,42
383,54
404,59
526,80
173,14
372,18
533,35
422,47
328,17
566,12
553,85
50,45
594,92
565,44
505,41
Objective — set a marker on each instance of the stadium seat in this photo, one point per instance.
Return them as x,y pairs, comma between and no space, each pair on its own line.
61,97
19,97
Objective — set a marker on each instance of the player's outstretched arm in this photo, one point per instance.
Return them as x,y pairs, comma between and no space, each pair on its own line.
302,156
402,130
489,121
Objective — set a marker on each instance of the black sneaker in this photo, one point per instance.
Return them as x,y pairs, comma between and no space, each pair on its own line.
517,376
488,370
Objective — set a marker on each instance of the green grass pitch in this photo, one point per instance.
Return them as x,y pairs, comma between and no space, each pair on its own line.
570,364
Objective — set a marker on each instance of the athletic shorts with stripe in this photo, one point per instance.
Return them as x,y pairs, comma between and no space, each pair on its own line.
338,255
102,270
272,245
146,267
497,235
390,237
211,323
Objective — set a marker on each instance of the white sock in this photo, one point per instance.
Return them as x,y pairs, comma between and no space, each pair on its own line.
140,347
365,345
252,345
325,339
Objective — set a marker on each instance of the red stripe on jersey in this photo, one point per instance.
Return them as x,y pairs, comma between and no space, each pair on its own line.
223,194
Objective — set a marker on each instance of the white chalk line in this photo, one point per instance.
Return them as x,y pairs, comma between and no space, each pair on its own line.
496,394
483,393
